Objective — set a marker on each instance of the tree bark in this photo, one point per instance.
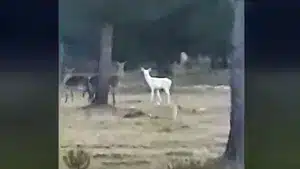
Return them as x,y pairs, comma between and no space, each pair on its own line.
104,66
235,145
224,62
60,60
214,64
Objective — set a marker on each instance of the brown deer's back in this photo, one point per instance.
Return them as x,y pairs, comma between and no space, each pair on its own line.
76,80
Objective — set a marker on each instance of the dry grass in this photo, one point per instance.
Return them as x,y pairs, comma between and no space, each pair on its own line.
150,138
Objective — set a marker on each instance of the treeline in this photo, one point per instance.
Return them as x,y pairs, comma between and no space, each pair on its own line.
149,30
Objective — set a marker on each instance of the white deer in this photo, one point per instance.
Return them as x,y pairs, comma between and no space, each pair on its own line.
156,83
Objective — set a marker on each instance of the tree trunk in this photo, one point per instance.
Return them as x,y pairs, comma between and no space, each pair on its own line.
214,63
235,145
60,60
224,62
104,66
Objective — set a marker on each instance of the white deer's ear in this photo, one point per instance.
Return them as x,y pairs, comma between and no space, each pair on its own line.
72,70
124,62
149,69
68,70
142,69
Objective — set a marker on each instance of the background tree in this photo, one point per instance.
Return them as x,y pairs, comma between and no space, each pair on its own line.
235,145
104,68
61,58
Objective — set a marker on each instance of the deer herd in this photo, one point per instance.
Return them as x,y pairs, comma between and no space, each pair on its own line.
88,83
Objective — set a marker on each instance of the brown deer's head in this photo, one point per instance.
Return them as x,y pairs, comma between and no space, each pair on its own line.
120,70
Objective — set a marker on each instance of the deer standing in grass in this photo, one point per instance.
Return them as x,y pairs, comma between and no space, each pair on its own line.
73,83
120,70
156,83
113,81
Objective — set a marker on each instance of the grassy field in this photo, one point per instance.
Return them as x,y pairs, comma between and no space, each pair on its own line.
199,132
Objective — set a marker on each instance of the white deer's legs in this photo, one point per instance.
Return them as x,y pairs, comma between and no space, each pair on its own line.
66,97
152,95
158,95
167,91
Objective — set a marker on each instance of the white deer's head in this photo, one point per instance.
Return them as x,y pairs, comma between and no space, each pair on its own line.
146,71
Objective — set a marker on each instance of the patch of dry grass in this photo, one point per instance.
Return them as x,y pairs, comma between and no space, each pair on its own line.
113,155
145,141
192,163
189,162
134,113
124,162
179,153
165,129
138,123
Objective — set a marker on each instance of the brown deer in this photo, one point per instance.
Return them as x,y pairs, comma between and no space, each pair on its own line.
113,81
120,68
73,83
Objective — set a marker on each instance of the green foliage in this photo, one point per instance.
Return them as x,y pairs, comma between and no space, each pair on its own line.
77,159
77,16
152,30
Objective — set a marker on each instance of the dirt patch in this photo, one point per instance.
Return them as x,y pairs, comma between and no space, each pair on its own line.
133,113
130,163
180,153
113,155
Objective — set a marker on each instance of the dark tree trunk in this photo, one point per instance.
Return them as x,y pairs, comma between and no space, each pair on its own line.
104,68
214,63
60,66
218,63
235,145
224,62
